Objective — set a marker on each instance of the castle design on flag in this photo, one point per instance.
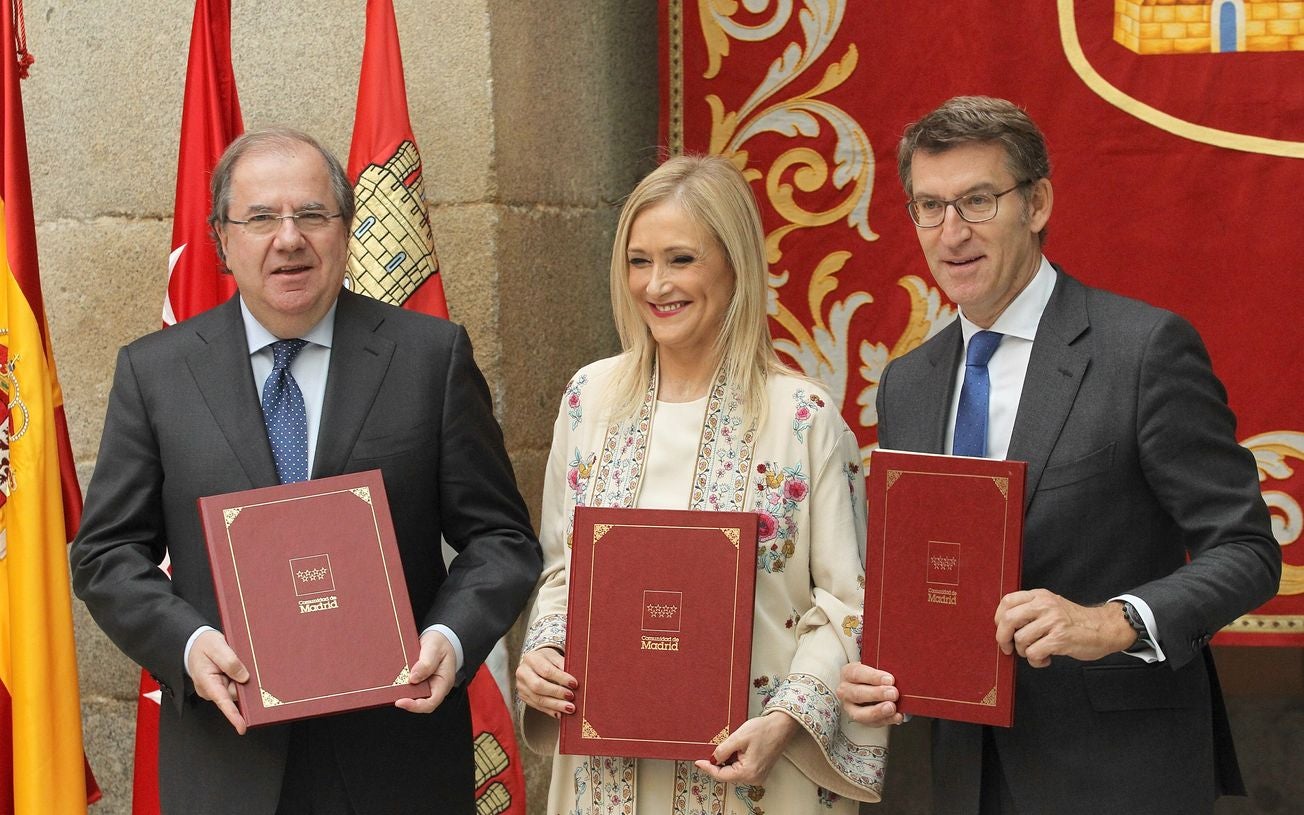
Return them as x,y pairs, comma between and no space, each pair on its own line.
391,255
1208,26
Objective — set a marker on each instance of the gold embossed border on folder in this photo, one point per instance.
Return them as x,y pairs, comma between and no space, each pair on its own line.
315,603
731,535
1002,485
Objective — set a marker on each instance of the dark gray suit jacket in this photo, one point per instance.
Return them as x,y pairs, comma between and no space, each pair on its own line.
403,394
1133,465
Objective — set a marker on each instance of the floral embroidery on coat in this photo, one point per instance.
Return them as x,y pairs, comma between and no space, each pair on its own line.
853,627
851,472
792,620
696,793
724,453
828,799
574,405
580,787
764,687
751,795
547,630
777,495
577,476
807,406
612,783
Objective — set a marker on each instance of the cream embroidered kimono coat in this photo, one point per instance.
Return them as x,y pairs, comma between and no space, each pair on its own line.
801,470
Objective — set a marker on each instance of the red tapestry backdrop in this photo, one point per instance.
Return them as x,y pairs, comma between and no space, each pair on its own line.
1176,135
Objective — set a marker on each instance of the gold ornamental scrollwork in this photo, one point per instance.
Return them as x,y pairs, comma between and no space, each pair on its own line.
766,110
1273,453
782,103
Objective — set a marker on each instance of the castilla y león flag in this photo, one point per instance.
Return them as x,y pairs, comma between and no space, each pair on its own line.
1176,133
43,770
392,251
392,258
210,120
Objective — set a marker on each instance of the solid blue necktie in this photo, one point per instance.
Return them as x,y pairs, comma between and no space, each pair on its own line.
970,437
285,414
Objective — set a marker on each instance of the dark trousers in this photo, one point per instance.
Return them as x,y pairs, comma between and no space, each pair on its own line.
313,783
994,797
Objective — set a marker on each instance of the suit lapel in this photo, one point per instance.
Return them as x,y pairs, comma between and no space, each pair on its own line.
360,358
934,405
221,370
1055,373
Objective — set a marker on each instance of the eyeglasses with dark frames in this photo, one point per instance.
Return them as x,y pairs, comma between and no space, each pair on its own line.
975,208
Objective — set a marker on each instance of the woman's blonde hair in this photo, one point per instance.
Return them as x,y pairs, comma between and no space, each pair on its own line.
713,194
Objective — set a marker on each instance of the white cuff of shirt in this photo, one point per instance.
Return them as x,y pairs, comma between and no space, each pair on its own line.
442,629
452,638
185,655
1155,654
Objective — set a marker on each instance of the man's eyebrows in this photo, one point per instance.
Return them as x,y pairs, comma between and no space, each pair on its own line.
310,206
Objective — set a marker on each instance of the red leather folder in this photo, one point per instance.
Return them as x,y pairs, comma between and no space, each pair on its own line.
945,545
312,596
659,631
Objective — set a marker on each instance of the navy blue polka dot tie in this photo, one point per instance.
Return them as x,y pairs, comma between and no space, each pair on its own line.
970,437
285,415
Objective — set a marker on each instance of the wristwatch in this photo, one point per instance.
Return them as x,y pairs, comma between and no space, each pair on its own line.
1133,617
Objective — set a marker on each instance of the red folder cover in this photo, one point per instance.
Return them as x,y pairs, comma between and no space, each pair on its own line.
945,545
659,631
312,596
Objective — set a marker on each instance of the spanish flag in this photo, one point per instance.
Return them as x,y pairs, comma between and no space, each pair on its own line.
42,766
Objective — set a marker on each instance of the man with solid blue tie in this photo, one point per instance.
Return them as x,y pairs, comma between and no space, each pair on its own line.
1145,531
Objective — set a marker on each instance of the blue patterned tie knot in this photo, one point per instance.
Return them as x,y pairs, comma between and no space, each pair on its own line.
285,414
970,437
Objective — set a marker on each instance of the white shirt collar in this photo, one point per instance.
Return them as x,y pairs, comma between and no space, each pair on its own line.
1021,317
259,337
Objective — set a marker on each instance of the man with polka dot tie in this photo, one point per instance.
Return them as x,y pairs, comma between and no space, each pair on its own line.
298,377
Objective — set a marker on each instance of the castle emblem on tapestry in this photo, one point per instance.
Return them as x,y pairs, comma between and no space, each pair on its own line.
1205,26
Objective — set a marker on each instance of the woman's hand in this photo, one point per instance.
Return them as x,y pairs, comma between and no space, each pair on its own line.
752,749
543,685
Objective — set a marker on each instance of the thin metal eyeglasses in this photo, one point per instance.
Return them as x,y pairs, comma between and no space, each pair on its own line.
265,223
975,208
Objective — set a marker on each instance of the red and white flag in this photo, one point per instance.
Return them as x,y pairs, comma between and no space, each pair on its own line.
392,258
210,120
43,770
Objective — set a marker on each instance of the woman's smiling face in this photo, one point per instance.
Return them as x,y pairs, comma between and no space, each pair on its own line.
678,273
